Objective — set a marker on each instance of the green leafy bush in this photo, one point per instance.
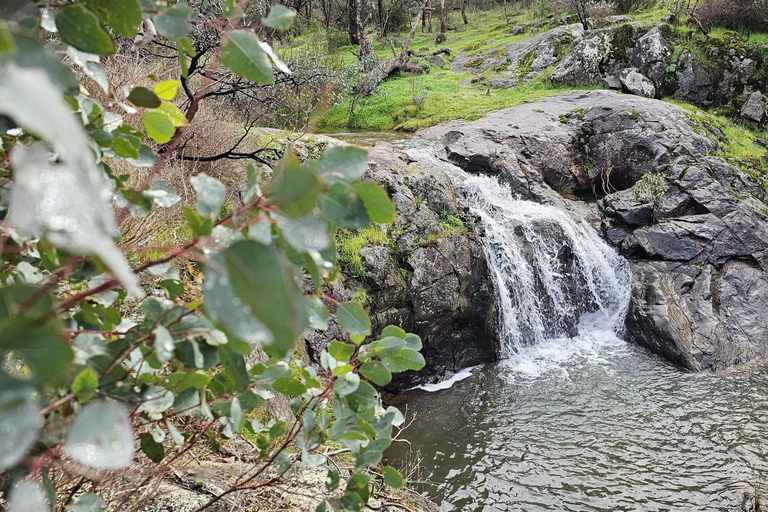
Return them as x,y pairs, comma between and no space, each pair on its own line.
96,354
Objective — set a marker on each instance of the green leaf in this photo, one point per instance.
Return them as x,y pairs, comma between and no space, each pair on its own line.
269,288
341,204
151,448
30,54
342,164
19,422
164,344
210,194
308,233
358,486
143,97
385,347
159,128
406,359
174,22
392,477
332,481
200,226
341,351
124,16
174,114
39,345
353,318
377,204
294,190
180,381
85,384
393,330
289,387
279,18
243,55
362,398
81,27
346,384
376,372
317,313
412,341
88,502
101,437
167,89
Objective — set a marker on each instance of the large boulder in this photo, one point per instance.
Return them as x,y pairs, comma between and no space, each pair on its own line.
634,82
605,51
651,55
521,61
755,108
698,247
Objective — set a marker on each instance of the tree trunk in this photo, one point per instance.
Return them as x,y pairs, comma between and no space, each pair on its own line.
354,33
428,15
464,11
398,63
443,22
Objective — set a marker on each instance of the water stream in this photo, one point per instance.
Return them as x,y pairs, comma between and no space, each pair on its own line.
574,417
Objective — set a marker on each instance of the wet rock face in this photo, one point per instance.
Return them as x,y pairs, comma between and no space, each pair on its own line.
430,277
698,248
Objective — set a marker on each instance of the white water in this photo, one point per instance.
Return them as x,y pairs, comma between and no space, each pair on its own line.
562,290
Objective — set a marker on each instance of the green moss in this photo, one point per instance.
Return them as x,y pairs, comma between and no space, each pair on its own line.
578,113
362,298
350,244
634,115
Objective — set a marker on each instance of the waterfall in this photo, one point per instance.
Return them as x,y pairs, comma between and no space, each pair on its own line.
556,278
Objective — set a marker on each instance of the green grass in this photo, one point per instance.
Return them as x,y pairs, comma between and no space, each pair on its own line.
739,143
446,100
350,244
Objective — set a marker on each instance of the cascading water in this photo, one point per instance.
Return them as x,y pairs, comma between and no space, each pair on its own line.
555,276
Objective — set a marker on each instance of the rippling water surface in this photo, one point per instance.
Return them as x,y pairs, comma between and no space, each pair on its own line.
590,423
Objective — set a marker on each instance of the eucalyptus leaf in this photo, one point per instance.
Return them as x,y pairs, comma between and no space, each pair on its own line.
353,318
19,423
210,194
343,164
81,27
268,286
27,496
71,201
243,55
279,18
101,437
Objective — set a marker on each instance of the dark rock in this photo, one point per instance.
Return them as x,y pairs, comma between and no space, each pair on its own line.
670,18
634,82
694,82
599,52
436,60
754,108
651,55
612,82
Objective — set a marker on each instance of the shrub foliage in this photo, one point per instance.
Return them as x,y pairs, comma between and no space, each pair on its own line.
99,358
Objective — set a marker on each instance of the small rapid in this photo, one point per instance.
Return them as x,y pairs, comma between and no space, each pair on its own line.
555,276
573,417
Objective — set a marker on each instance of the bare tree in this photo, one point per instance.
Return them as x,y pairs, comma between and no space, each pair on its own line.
443,22
464,11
